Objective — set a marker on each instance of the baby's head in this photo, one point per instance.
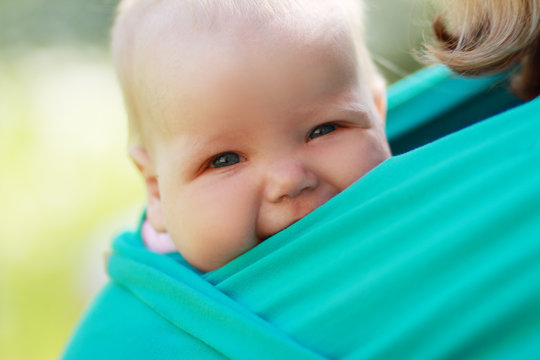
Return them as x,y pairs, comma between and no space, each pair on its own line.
245,115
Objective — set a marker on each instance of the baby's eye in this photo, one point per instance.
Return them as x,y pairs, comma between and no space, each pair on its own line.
225,159
322,130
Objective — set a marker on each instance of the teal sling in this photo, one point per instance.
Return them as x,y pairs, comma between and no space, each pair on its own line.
435,254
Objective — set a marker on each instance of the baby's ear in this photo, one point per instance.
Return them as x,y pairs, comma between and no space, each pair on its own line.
154,211
378,89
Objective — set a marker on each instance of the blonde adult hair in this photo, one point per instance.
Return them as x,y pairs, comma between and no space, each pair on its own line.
475,37
134,15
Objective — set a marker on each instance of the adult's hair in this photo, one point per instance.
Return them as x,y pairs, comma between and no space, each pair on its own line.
475,37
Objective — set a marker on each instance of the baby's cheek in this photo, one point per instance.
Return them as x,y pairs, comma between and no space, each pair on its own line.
218,226
358,158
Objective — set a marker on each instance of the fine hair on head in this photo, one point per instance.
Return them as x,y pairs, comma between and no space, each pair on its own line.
135,16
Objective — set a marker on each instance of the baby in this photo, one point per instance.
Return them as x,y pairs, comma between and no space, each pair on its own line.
245,115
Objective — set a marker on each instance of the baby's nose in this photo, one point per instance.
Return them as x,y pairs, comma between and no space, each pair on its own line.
288,179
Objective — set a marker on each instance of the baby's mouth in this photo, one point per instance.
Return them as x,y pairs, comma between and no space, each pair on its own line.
266,236
288,215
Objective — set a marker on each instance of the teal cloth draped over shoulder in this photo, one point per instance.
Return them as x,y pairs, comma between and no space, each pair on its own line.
434,254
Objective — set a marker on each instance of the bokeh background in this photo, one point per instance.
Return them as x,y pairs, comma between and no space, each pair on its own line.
66,185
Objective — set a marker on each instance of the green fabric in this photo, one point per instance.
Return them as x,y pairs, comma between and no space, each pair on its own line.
433,254
434,102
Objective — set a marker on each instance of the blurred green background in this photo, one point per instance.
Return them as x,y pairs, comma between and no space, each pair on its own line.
66,185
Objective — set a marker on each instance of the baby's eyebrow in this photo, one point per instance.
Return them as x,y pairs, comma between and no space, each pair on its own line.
192,148
356,112
195,149
359,114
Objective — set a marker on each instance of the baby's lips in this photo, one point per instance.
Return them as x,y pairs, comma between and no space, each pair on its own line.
297,213
282,228
265,235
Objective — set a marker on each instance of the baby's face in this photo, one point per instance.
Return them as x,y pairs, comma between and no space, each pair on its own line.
255,134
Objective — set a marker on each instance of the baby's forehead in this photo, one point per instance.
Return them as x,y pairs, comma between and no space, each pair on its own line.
151,35
154,37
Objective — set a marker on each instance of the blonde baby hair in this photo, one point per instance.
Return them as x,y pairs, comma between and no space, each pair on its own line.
133,15
475,37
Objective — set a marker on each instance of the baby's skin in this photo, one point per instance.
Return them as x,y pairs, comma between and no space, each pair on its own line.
251,129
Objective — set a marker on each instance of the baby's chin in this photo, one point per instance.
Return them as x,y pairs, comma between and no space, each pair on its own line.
212,261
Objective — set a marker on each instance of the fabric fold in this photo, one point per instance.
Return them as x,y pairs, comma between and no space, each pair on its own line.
191,304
